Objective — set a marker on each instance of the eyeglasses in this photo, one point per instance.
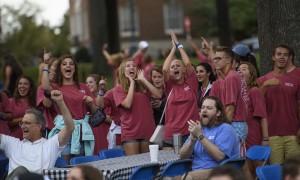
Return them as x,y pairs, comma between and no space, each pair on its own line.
217,59
26,123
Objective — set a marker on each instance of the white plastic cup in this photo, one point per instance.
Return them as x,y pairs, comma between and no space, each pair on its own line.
153,152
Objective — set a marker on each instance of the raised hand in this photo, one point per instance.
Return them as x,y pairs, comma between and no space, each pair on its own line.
56,96
173,37
195,128
140,75
204,44
102,83
47,56
105,47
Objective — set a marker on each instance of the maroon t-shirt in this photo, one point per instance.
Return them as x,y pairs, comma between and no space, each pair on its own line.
256,111
216,89
18,108
235,93
181,106
138,121
5,107
49,112
73,97
111,108
282,105
295,72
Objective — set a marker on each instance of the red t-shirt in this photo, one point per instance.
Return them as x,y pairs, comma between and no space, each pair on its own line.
19,109
111,108
49,112
181,106
295,72
139,60
5,107
138,121
73,97
235,93
282,105
216,89
256,111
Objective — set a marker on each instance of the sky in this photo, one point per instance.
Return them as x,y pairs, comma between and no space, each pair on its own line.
52,10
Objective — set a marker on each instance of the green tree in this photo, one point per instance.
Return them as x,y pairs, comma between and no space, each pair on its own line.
25,38
242,18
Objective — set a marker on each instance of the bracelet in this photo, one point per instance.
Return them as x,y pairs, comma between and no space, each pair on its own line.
101,93
46,70
179,45
265,139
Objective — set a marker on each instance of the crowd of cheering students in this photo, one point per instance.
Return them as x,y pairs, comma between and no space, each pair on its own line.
261,110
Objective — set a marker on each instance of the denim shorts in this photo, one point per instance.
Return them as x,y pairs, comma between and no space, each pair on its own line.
67,149
241,129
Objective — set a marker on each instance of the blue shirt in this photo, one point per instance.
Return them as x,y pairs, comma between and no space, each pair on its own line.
223,136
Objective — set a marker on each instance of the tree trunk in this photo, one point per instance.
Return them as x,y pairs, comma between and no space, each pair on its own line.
113,25
223,22
98,28
278,23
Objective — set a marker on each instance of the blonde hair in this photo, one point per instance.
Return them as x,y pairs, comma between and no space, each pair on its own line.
124,81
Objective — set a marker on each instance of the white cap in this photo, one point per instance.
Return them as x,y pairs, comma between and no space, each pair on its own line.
143,44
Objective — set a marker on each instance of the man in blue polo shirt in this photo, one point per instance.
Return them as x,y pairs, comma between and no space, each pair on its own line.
211,141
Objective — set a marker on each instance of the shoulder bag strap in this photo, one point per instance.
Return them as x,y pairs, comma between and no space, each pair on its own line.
165,106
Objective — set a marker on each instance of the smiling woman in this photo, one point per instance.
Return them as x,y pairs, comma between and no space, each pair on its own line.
24,98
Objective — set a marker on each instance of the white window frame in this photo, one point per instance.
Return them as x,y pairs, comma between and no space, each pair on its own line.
124,20
173,9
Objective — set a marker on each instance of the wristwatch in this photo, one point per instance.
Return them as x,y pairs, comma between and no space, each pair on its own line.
201,137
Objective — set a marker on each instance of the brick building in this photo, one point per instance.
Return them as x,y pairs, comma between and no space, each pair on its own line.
152,20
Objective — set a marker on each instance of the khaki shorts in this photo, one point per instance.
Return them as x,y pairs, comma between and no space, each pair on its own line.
283,147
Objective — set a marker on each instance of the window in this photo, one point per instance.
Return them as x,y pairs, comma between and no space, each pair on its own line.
125,14
79,23
173,16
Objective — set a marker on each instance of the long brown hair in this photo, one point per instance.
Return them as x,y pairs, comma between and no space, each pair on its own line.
31,93
124,81
58,74
252,81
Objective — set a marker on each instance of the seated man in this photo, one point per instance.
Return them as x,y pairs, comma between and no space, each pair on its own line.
34,153
291,169
211,141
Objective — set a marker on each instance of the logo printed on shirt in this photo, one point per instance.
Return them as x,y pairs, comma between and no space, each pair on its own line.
211,137
82,91
187,88
289,84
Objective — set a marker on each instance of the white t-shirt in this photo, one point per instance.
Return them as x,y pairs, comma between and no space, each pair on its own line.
35,156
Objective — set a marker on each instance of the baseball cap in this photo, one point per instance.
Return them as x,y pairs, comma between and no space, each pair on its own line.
241,50
143,44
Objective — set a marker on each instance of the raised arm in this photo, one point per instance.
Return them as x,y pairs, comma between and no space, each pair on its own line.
65,134
127,102
106,54
102,89
185,58
155,92
8,71
45,73
167,63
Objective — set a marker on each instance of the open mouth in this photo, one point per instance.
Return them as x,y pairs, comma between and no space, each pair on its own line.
204,116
